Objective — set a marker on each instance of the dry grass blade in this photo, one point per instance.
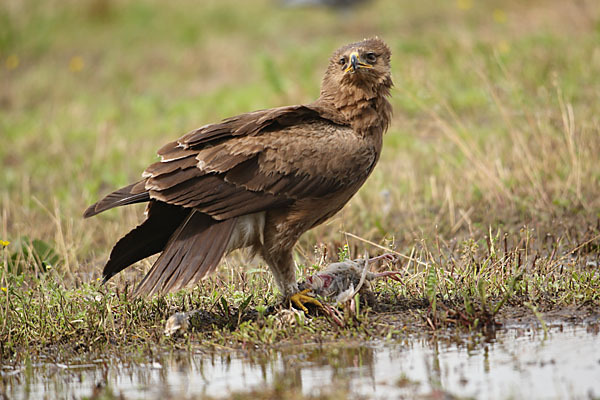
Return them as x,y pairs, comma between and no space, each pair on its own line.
409,258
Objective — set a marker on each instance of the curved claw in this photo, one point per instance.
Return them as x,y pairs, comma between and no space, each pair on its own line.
301,298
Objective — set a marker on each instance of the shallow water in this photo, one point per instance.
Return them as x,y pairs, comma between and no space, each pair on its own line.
517,362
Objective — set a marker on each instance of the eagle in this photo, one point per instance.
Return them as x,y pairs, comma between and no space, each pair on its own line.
258,180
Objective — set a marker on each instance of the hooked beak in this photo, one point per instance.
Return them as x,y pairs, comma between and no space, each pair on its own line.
356,63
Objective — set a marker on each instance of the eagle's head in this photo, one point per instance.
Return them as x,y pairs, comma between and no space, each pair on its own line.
359,69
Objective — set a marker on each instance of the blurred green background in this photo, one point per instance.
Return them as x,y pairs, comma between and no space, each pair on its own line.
495,108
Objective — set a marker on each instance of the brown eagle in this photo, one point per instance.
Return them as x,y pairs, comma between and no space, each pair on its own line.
258,180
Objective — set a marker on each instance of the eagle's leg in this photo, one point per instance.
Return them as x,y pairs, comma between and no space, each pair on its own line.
282,266
281,263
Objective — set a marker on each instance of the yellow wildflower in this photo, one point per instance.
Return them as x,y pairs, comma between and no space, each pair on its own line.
4,243
12,61
76,64
499,16
464,4
503,47
4,289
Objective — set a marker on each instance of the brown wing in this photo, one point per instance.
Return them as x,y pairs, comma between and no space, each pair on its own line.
256,161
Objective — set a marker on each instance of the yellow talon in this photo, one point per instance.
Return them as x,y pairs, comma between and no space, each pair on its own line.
301,298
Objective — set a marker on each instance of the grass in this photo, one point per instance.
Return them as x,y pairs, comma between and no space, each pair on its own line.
489,177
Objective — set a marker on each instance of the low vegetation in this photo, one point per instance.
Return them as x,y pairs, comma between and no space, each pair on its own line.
488,191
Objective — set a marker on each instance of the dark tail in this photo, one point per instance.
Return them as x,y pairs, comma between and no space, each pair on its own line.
127,195
147,239
193,251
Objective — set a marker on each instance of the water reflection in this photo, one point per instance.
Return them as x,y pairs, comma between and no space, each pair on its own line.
517,362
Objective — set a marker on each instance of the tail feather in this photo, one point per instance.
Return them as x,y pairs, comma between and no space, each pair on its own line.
193,251
147,239
121,197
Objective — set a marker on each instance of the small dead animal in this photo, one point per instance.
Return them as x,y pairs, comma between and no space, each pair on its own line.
340,281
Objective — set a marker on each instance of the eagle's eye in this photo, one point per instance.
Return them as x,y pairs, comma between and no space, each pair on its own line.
342,61
371,58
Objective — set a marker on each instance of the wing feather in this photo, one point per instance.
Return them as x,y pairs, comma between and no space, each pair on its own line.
193,251
121,197
161,168
147,239
174,178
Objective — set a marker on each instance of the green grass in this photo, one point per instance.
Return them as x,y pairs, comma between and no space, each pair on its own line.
489,176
